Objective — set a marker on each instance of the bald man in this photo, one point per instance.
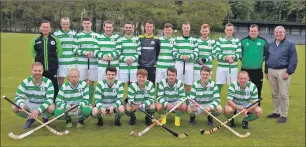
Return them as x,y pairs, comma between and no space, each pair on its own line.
73,92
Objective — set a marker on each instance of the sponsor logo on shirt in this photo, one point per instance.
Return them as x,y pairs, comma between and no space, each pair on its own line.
258,44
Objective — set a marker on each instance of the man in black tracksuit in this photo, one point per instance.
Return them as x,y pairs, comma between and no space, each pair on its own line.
46,49
254,49
150,48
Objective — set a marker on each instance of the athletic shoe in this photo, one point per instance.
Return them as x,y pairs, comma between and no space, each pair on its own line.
273,115
29,123
232,123
148,120
100,122
164,120
282,120
132,120
117,120
192,120
45,119
177,121
245,124
80,123
210,121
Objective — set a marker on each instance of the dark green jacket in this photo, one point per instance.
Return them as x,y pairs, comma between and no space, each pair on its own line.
46,51
253,52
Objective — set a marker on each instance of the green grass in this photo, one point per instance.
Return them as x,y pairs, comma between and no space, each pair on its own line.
15,66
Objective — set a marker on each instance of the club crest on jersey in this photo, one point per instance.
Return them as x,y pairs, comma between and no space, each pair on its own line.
145,91
152,42
112,40
114,90
52,42
247,44
42,89
171,42
258,44
93,36
233,43
247,93
71,36
134,40
80,90
191,42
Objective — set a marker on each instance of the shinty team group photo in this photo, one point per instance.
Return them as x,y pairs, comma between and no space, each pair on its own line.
164,75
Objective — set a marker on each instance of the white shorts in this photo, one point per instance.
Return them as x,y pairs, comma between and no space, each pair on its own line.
188,77
161,74
92,74
222,75
197,76
102,74
199,110
32,106
63,72
124,77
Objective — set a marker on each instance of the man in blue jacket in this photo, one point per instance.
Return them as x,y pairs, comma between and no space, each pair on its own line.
281,61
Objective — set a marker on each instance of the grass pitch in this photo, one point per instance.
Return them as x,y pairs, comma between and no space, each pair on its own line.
15,66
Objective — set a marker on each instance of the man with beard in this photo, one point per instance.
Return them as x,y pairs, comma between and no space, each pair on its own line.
39,92
129,47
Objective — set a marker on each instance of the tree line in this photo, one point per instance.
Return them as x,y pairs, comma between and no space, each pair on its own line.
24,16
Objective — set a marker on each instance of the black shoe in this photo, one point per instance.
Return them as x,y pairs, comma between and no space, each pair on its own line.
100,122
210,121
232,123
132,120
273,115
245,124
117,120
148,120
282,120
29,123
192,120
45,119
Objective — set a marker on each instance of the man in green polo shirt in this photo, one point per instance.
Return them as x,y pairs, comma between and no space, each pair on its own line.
253,52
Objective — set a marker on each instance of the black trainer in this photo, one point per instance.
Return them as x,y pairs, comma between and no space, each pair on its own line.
148,120
282,120
232,123
100,122
117,120
192,120
132,120
245,124
273,115
210,121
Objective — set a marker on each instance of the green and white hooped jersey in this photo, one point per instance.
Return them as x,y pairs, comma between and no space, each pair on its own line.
167,93
86,42
165,57
67,59
185,46
107,46
41,94
224,48
129,47
208,95
106,94
241,96
69,95
206,51
145,95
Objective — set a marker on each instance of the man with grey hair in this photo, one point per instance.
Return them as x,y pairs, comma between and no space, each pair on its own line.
281,61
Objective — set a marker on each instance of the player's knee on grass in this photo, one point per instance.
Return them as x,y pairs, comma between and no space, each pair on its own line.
159,107
121,109
86,111
228,110
217,111
183,107
51,109
190,110
258,111
94,112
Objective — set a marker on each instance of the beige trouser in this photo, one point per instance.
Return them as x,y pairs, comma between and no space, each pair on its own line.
280,91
